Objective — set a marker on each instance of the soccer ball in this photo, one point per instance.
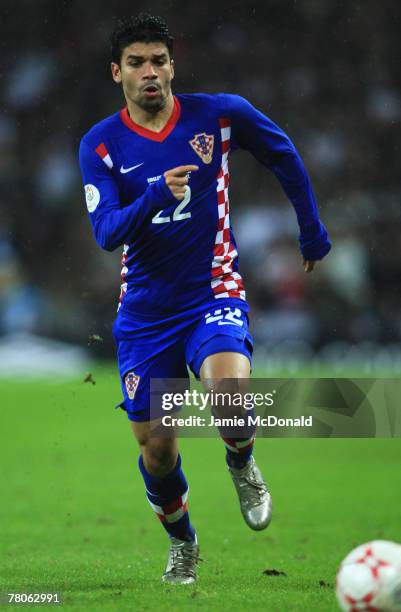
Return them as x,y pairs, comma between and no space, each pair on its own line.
369,578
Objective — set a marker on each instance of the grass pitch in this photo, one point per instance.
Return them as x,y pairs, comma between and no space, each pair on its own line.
74,517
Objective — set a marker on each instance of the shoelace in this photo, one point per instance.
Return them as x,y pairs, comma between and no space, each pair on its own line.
183,560
257,489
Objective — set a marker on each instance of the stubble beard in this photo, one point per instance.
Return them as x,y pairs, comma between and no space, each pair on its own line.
153,106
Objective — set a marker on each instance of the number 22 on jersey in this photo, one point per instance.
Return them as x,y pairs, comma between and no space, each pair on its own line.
178,215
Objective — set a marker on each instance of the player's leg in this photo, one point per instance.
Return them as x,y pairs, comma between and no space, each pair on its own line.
219,352
165,482
159,461
228,372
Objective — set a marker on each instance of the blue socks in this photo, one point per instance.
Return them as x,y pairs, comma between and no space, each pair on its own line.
168,498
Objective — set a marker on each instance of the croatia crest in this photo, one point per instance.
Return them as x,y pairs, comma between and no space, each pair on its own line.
203,144
131,384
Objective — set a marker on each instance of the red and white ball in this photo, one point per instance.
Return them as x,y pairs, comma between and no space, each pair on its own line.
369,578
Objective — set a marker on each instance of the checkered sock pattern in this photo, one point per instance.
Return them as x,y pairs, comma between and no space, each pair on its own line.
168,498
239,451
239,447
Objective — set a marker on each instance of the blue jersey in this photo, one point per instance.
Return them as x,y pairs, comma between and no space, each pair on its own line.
178,255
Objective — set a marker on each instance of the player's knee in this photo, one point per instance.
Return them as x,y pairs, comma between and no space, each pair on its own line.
159,456
224,385
227,396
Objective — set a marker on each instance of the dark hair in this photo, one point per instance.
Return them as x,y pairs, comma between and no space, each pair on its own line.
143,28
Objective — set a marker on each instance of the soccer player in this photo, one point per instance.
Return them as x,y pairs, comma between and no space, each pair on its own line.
156,183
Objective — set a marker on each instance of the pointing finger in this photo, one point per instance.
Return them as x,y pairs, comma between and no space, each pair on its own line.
183,170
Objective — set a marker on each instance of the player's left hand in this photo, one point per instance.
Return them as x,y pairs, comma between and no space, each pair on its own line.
308,265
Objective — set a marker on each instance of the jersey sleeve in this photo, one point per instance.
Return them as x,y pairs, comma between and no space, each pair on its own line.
267,142
113,225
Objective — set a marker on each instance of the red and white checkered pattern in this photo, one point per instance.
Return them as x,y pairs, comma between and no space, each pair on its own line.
203,144
239,446
104,154
124,271
173,511
225,282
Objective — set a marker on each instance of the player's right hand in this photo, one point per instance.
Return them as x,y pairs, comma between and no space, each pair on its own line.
177,180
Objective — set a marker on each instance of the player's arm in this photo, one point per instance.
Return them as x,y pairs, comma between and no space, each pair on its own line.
253,131
113,225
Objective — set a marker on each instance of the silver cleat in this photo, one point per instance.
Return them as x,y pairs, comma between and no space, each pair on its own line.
254,497
182,562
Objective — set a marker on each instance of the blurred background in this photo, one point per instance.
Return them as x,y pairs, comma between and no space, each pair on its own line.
327,71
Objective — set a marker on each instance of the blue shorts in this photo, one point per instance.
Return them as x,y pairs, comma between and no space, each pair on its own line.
163,348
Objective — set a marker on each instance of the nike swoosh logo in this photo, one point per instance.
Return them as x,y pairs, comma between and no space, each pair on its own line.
125,170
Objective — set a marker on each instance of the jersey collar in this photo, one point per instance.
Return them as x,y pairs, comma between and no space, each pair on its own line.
157,136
